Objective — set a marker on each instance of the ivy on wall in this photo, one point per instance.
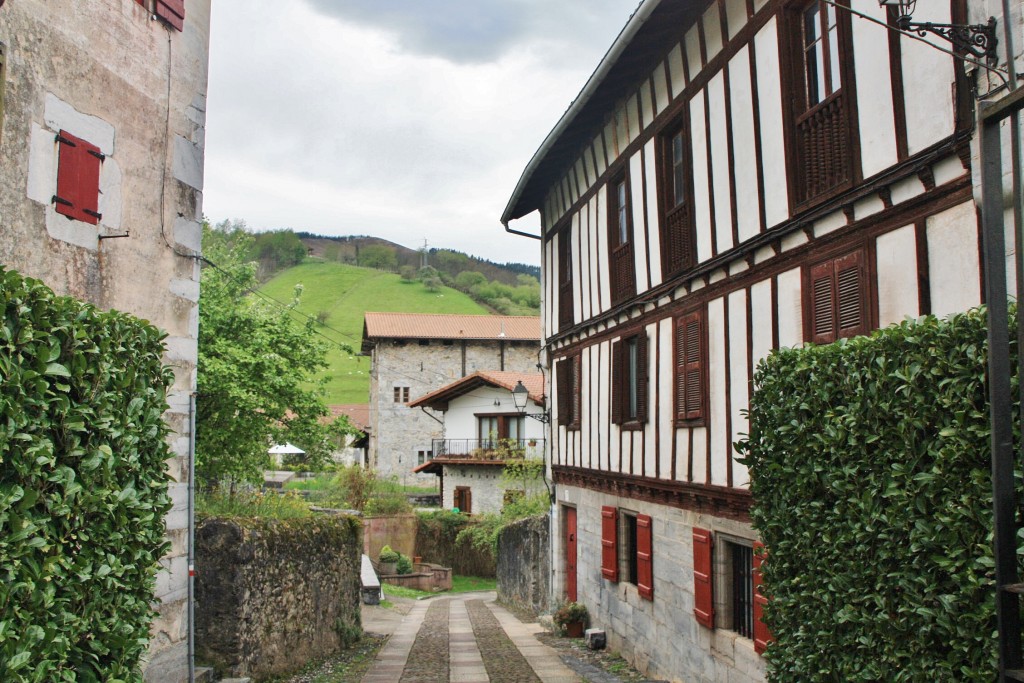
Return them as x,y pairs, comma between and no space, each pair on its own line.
83,486
871,479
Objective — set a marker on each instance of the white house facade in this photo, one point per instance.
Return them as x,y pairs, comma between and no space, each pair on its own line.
736,176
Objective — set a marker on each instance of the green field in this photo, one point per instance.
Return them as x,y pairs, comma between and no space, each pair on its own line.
344,293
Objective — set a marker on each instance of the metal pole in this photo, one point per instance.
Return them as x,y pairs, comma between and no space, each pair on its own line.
999,370
191,538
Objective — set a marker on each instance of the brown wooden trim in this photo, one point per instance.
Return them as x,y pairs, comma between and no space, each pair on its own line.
718,501
963,107
981,251
924,292
775,311
899,104
647,229
703,40
689,456
755,99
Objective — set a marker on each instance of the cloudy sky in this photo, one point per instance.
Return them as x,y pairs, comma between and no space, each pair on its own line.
402,119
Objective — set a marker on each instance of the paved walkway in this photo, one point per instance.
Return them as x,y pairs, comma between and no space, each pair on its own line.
468,638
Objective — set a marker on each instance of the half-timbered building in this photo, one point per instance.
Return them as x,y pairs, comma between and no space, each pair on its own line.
736,176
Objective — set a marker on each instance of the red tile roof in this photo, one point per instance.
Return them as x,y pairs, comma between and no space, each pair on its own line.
358,414
438,399
446,326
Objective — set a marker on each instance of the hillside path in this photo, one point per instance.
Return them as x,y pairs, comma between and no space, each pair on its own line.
468,638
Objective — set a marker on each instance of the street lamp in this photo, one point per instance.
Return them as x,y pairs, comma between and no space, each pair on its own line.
519,397
977,39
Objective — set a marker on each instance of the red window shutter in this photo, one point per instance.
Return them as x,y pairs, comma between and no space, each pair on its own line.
78,179
562,369
644,559
641,378
689,367
172,11
610,543
823,303
576,377
852,294
618,382
703,598
762,636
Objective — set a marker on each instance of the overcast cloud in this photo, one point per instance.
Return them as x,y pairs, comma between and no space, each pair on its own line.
406,120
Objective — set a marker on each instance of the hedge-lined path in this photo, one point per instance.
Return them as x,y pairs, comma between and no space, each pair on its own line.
466,639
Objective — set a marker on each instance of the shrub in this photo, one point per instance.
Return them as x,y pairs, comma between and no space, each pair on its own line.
569,613
870,471
83,486
255,503
404,564
388,555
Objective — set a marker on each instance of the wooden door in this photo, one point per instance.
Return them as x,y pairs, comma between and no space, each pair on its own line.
570,553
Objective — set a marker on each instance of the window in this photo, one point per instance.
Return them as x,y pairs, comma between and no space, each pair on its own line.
738,584
401,394
568,375
690,378
629,380
677,238
626,549
623,279
424,457
78,179
822,113
565,298
493,427
424,342
836,298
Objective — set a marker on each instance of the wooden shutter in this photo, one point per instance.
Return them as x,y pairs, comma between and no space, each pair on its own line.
618,380
171,11
703,598
839,298
576,391
762,636
78,179
644,559
610,543
641,377
562,370
689,367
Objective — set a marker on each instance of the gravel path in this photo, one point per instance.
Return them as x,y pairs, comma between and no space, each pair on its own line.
504,662
429,660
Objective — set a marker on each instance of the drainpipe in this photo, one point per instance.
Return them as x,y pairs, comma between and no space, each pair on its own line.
191,537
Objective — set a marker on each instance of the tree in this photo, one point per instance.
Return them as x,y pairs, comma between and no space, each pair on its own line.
277,250
257,366
378,256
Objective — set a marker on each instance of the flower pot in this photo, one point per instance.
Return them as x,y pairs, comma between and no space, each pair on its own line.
574,629
388,567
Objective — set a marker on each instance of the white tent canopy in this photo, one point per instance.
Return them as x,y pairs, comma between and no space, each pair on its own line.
286,449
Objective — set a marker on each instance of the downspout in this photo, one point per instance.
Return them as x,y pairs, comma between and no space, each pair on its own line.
191,537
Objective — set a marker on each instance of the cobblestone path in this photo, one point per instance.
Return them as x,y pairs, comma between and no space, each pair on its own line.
466,639
504,662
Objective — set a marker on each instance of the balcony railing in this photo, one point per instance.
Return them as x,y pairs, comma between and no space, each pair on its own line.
488,449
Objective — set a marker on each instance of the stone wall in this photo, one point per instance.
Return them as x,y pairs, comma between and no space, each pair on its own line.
105,72
397,531
271,595
524,564
435,543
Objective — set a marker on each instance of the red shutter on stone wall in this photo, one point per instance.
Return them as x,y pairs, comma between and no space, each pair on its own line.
644,558
171,11
78,179
610,543
762,636
703,598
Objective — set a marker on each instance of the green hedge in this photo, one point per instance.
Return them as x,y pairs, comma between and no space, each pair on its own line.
83,486
870,472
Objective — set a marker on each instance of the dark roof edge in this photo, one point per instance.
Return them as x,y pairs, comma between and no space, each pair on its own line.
625,37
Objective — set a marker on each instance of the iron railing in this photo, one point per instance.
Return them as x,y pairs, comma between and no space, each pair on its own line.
488,449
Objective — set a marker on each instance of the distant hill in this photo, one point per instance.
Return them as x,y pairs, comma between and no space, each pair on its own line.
337,295
448,261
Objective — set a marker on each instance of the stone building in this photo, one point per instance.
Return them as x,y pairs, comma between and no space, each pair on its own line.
102,115
414,354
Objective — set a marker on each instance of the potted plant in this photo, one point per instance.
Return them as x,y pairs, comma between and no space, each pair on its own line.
387,561
571,618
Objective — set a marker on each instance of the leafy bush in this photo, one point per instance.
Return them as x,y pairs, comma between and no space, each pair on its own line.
870,471
387,504
404,564
483,533
83,486
387,554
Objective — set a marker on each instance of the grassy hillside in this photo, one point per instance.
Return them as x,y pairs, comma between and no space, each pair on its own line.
339,294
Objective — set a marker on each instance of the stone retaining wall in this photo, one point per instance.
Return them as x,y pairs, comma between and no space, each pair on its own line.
272,595
524,564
